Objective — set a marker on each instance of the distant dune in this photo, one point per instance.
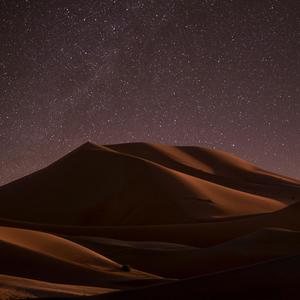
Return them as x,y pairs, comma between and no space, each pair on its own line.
141,219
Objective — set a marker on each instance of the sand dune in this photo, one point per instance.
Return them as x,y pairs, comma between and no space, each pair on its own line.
73,228
28,253
95,185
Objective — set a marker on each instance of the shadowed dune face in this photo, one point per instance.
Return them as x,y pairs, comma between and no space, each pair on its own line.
133,221
98,185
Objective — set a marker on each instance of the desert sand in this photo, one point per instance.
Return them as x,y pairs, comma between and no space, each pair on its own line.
132,221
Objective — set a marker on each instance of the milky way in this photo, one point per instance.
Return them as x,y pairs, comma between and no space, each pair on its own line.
217,74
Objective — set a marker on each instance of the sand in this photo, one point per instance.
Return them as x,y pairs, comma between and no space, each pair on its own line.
95,185
141,220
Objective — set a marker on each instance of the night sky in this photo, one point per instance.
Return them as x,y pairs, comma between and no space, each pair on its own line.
219,74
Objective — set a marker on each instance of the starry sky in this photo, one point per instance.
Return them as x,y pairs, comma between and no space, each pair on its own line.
220,74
